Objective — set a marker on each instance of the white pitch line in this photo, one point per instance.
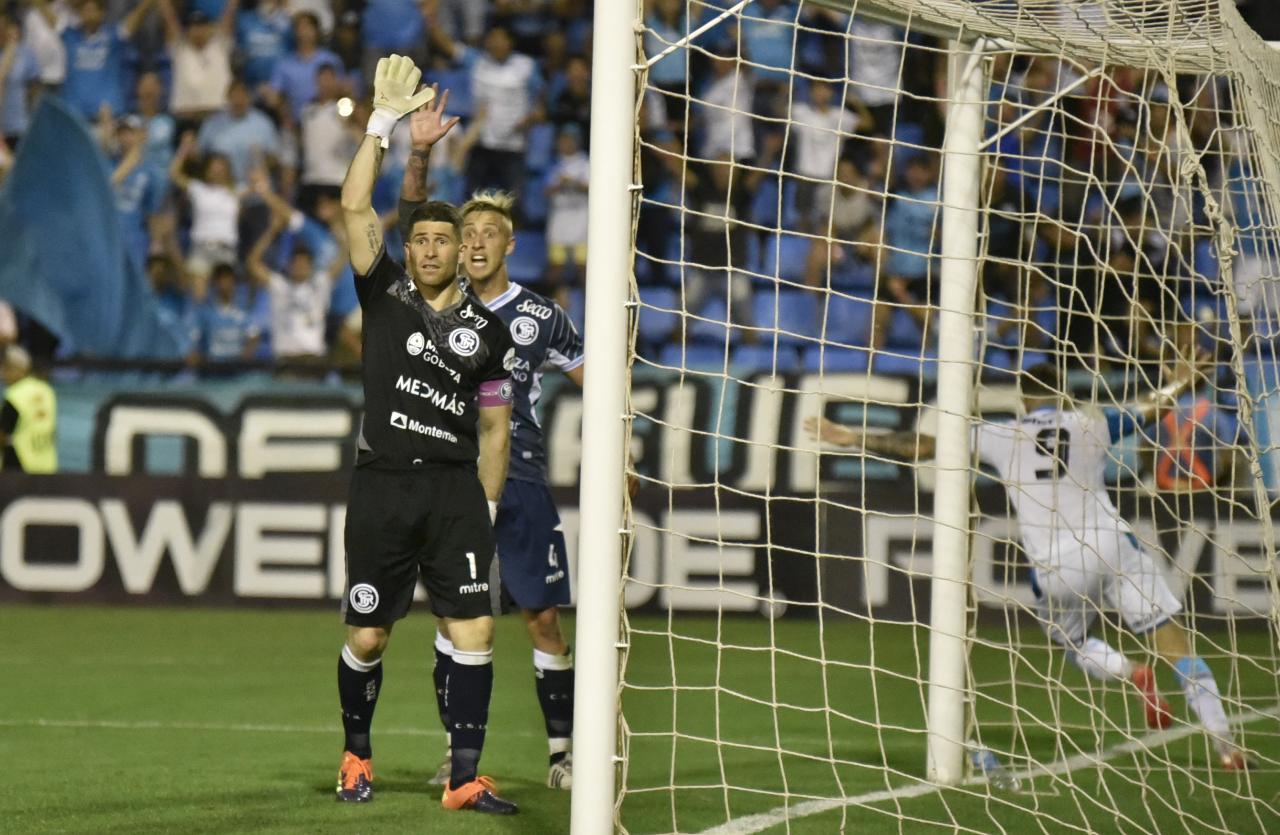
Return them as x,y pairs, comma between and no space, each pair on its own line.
113,724
764,820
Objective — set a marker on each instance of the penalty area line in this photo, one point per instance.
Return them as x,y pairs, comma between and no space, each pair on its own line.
762,821
216,727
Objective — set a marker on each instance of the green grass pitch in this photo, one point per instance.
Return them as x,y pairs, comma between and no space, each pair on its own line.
226,721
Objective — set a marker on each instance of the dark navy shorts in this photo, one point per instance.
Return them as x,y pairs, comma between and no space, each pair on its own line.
532,559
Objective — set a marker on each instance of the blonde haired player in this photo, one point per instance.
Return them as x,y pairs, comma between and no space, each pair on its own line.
1084,554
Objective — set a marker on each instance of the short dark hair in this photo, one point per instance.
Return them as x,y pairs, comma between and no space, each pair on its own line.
223,268
436,211
1042,380
300,249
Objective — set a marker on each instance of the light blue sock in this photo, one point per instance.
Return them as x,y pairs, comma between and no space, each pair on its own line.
1201,689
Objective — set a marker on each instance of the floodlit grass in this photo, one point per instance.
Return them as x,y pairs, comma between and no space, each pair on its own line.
203,720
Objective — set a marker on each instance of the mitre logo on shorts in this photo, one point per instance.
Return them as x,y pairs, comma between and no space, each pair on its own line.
524,330
464,342
473,588
364,598
415,344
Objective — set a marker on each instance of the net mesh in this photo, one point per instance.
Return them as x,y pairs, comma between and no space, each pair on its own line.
784,359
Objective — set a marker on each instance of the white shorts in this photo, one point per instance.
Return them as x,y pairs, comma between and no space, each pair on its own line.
1073,588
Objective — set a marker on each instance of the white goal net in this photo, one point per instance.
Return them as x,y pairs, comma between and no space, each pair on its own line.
952,378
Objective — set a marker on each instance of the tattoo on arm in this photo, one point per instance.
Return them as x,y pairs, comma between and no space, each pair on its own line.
371,232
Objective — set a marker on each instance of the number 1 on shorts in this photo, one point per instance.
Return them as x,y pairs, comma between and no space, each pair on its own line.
471,561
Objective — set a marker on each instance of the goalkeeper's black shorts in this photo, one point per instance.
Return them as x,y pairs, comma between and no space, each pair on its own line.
430,522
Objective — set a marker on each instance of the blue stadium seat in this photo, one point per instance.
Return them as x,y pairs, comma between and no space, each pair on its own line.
831,359
533,201
659,315
710,326
907,364
904,331
703,357
540,147
998,359
797,313
848,320
1033,358
763,359
529,262
784,256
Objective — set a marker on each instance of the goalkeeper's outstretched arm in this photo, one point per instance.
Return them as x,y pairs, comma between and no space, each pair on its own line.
901,446
364,229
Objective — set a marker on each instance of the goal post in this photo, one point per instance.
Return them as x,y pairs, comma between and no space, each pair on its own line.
816,222
604,428
961,186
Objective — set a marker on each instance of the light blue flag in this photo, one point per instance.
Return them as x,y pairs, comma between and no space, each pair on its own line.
62,255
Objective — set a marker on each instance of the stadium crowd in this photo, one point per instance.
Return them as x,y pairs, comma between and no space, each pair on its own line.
782,146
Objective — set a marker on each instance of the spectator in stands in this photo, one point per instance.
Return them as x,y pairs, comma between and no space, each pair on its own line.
293,82
19,79
910,235
768,36
42,24
571,103
567,218
1196,441
163,276
463,20
137,190
818,131
849,213
875,68
299,300
221,330
262,39
201,56
215,211
348,44
97,57
6,159
329,141
161,130
507,90
720,198
667,22
240,132
723,112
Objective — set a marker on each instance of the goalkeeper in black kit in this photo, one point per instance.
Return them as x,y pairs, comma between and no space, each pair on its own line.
431,461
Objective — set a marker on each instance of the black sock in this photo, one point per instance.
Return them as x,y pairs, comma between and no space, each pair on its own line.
444,663
469,688
555,695
358,692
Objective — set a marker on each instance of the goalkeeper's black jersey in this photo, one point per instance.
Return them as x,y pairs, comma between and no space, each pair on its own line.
423,370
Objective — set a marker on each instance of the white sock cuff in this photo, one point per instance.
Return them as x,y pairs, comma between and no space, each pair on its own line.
558,744
444,644
547,661
349,658
472,659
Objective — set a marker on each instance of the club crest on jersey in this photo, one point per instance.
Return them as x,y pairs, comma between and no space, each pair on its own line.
364,598
507,392
415,344
464,342
524,330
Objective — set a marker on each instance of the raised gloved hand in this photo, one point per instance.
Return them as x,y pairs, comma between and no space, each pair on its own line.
395,95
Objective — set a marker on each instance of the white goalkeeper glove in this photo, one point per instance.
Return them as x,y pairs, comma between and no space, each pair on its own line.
395,95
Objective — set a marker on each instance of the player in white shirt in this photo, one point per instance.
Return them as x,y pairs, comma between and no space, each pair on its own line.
1051,460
